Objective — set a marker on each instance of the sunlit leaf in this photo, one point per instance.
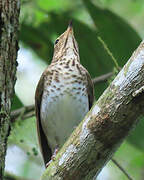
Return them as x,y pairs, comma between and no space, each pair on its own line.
121,39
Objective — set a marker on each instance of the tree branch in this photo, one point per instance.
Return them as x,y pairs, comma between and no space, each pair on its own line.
102,78
99,135
24,112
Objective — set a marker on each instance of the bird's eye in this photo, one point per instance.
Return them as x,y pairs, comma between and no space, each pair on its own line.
56,41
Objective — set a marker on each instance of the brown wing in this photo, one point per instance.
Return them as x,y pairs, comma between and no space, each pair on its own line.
90,90
45,149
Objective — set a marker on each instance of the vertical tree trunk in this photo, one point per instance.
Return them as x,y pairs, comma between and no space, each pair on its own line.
9,14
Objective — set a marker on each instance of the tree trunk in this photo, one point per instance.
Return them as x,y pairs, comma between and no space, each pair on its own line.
99,135
9,14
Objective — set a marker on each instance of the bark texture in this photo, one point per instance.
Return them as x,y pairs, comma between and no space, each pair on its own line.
9,14
99,135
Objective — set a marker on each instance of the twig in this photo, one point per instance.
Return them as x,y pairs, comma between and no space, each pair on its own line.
109,53
102,78
24,112
121,168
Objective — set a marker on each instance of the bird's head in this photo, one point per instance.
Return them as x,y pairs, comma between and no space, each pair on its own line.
66,46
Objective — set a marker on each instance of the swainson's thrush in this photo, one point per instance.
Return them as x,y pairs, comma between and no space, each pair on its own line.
63,96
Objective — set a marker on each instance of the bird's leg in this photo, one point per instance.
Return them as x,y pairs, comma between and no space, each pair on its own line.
55,153
48,163
53,156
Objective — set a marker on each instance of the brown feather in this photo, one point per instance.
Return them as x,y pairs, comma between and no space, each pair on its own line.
90,90
45,149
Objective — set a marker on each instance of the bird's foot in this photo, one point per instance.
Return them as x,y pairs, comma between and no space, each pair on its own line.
53,156
55,153
47,164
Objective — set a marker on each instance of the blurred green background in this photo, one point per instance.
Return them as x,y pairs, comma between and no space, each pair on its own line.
119,24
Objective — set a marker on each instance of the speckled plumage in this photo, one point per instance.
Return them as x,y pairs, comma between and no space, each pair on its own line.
63,97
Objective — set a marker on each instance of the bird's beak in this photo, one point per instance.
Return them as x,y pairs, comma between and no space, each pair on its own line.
70,28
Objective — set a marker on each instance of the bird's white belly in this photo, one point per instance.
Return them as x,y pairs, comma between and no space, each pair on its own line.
62,115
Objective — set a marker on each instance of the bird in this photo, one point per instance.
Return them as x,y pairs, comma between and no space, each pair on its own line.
64,95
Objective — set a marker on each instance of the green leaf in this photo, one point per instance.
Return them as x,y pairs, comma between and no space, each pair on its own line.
36,40
121,39
16,103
